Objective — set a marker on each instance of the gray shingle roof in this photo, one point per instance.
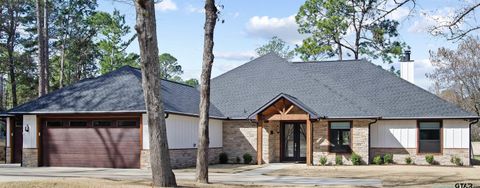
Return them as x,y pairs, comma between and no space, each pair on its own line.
117,91
332,89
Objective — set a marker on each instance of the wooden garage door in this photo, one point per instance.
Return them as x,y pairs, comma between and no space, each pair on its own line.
109,143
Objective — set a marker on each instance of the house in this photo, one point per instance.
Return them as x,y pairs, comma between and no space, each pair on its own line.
270,108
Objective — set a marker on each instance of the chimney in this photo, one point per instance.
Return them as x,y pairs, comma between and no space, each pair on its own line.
406,67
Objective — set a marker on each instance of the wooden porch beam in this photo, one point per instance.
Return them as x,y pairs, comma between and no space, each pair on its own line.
309,142
259,139
279,117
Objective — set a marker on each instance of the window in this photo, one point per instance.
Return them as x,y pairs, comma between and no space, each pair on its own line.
78,123
104,123
340,137
54,123
429,137
127,123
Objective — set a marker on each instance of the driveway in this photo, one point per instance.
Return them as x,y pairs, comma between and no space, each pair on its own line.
251,177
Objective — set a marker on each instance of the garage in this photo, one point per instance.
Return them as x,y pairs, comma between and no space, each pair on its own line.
91,142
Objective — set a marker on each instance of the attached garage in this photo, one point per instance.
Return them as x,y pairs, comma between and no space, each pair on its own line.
91,142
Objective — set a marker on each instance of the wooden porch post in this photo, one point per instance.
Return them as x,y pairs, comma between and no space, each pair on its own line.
259,139
309,142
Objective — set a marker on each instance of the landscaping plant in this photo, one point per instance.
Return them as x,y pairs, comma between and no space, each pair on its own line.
338,160
457,161
356,159
323,160
408,160
388,158
247,158
378,160
238,160
430,159
223,158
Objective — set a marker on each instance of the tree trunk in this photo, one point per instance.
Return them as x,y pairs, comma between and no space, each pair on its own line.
41,48
10,48
45,40
162,173
202,151
340,52
62,62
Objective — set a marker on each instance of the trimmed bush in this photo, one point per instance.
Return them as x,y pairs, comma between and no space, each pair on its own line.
356,159
338,160
378,160
457,161
388,158
238,160
247,158
430,159
323,160
408,160
223,158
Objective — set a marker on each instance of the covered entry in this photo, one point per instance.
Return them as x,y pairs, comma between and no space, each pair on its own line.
295,128
109,142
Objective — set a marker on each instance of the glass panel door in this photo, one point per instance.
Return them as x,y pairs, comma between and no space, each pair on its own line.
303,140
289,150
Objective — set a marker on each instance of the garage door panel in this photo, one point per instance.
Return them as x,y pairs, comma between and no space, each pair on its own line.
112,147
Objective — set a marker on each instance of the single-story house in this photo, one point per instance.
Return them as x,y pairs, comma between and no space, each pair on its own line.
271,108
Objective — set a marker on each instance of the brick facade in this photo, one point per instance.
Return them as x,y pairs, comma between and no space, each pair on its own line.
2,153
240,137
399,155
30,157
8,155
359,139
181,158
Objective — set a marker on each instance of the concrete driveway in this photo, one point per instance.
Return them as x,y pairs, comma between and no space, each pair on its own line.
252,177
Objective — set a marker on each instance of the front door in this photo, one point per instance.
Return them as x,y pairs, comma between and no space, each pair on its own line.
17,140
293,141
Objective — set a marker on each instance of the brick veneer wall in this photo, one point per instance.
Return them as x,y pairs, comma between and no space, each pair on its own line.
181,158
399,155
2,153
30,157
240,137
8,155
359,136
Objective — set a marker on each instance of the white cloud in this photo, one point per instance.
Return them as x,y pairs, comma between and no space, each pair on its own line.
428,19
166,5
399,13
192,9
237,56
266,27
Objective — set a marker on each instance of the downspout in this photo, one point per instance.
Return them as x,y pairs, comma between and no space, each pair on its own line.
470,140
369,139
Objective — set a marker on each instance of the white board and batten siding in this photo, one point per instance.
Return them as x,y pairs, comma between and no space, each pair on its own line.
182,132
456,134
403,134
394,134
30,137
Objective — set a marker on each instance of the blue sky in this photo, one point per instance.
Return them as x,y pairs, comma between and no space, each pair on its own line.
249,24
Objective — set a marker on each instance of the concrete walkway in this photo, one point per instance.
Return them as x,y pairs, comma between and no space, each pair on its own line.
252,177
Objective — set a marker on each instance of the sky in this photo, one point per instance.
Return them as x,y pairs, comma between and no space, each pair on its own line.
249,24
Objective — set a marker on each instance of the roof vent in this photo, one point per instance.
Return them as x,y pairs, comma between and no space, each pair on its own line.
406,67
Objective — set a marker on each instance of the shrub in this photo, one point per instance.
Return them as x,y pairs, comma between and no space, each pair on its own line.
356,159
430,159
378,160
408,160
338,160
388,158
323,160
457,161
238,160
247,158
223,158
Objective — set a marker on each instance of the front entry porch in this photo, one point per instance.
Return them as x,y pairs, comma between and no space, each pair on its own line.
284,131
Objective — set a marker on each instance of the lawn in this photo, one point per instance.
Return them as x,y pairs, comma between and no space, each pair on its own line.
476,160
391,175
223,168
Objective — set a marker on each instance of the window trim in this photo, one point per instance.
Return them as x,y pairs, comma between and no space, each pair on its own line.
112,123
441,137
350,137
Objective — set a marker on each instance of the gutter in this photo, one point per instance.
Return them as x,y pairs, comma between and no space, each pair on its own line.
470,139
370,140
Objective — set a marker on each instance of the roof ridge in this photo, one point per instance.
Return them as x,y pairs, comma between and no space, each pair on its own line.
332,61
